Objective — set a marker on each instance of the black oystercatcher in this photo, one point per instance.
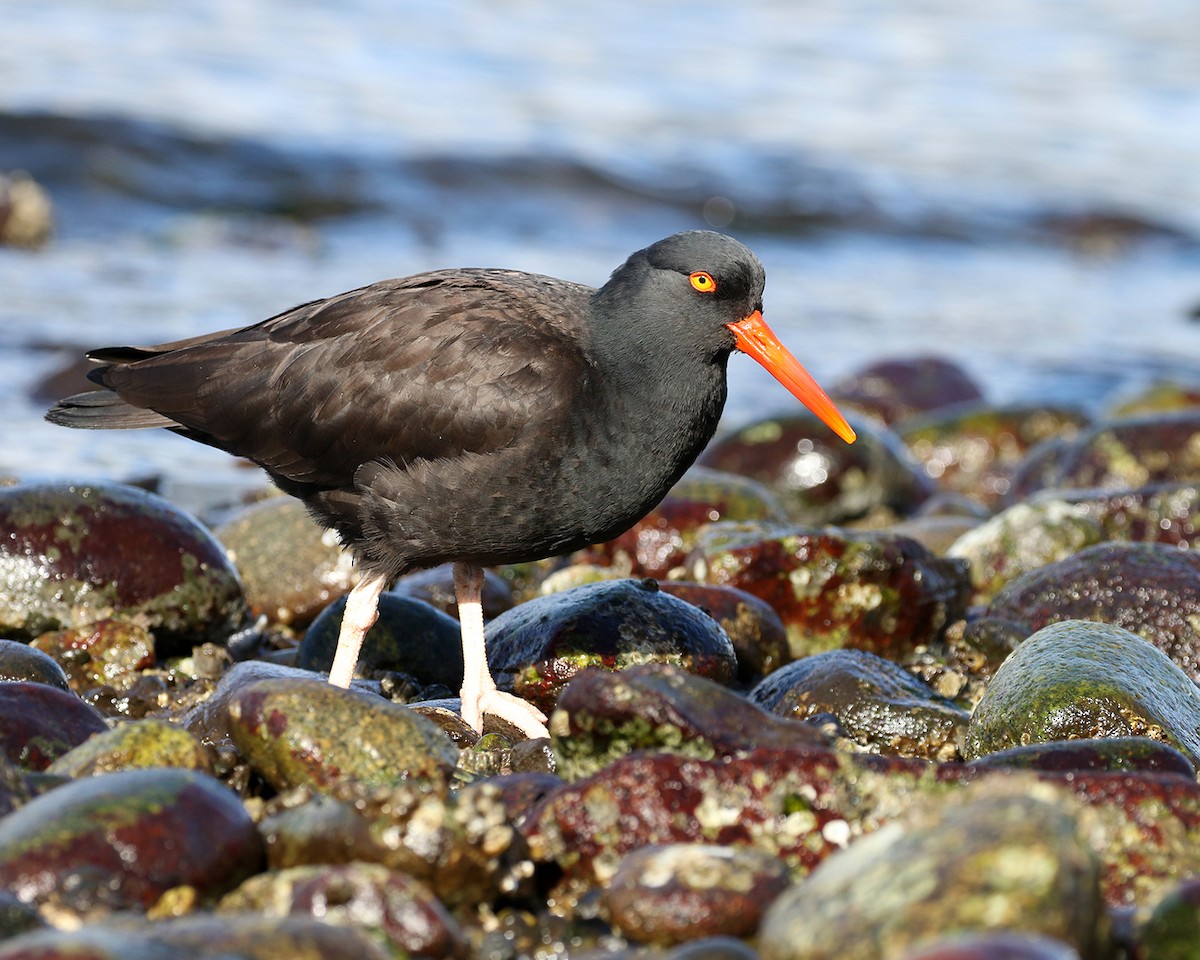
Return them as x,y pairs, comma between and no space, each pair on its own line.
475,416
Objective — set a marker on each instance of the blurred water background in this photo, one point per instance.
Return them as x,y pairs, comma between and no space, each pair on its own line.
1015,186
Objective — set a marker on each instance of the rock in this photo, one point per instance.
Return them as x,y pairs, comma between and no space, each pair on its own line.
26,214
1021,539
1172,932
818,478
435,587
660,542
758,636
290,566
138,744
895,390
1133,754
19,661
974,449
104,653
1149,588
120,841
838,588
1000,945
200,937
979,862
40,723
602,716
410,637
879,705
361,896
1119,454
72,555
674,893
537,647
1079,679
307,732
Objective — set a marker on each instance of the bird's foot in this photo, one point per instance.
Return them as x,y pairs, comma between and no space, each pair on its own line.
520,713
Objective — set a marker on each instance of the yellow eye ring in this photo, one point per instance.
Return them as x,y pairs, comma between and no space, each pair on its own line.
703,282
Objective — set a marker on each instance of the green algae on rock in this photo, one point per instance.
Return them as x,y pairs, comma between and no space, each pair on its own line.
1077,679
71,555
309,733
134,745
603,716
983,860
833,588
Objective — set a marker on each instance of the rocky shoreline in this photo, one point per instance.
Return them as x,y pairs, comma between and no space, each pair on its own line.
930,696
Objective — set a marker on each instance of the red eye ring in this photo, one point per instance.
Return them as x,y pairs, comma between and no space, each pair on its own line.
702,281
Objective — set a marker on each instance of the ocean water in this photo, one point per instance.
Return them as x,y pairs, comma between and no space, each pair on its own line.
1013,186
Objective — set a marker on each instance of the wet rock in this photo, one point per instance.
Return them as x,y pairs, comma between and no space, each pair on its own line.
536,648
140,743
359,895
1133,754
1163,396
978,862
291,567
602,716
120,841
1121,454
758,636
1023,538
1001,945
74,555
1079,679
203,937
40,723
436,587
975,449
1159,512
410,637
819,478
16,917
878,704
462,845
661,541
307,732
1172,932
104,653
26,214
937,534
19,661
208,720
1149,588
670,894
838,588
895,390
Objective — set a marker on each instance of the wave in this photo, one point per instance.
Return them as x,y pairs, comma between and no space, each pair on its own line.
101,165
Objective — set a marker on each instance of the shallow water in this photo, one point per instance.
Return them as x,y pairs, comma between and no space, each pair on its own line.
907,173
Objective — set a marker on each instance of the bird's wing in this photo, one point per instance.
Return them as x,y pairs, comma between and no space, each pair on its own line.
424,368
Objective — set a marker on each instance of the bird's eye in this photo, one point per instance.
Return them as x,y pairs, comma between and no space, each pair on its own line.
703,281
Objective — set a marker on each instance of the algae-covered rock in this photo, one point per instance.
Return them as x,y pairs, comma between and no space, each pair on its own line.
1079,679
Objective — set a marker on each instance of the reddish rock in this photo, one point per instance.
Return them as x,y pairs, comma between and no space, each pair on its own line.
40,723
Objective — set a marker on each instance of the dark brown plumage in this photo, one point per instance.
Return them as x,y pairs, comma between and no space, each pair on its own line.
474,416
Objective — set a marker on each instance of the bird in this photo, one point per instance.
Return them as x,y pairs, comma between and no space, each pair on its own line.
470,416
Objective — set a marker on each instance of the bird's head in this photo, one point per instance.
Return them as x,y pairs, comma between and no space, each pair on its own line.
712,286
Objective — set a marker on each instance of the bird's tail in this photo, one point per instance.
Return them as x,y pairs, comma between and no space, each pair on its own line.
103,410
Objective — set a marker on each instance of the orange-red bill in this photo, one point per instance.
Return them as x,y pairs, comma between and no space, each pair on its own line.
755,338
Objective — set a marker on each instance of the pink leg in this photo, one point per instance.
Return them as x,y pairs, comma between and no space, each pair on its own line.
479,693
362,609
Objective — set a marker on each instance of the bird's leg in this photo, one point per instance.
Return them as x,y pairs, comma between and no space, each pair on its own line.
479,694
361,611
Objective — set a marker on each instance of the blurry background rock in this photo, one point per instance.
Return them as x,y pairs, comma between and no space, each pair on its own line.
26,216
